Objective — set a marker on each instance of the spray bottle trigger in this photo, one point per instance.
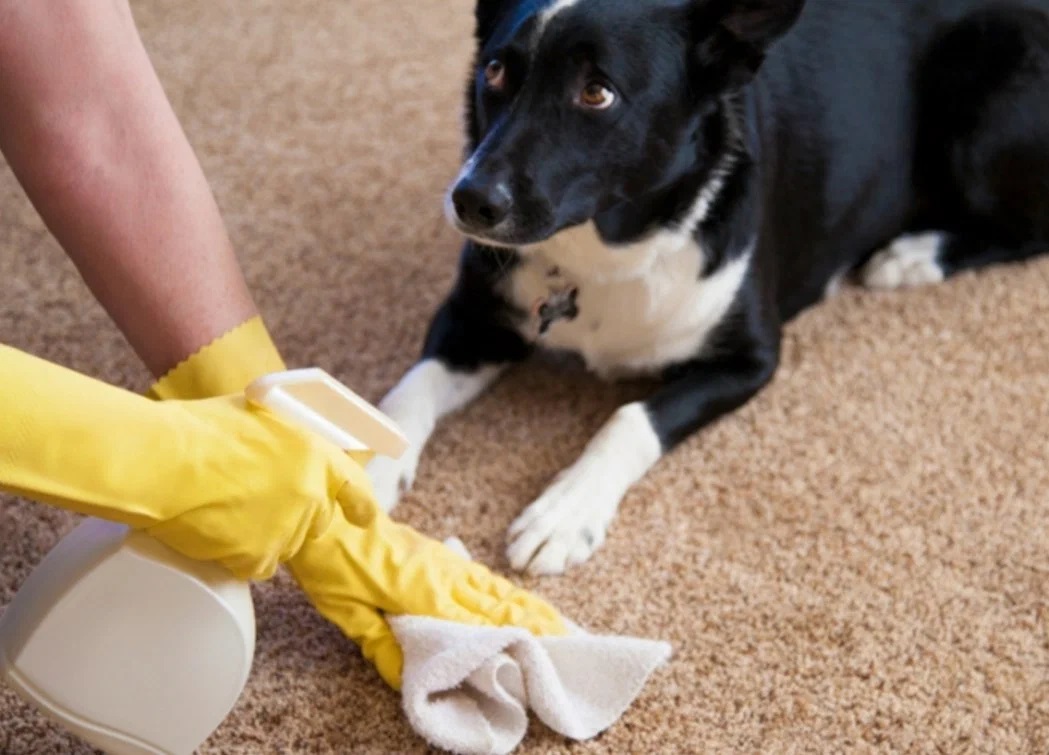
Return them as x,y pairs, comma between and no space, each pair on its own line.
314,400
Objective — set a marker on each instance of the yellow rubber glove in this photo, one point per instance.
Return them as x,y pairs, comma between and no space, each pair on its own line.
220,480
215,479
226,367
366,560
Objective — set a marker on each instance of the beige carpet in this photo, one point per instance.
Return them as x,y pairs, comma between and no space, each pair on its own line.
858,561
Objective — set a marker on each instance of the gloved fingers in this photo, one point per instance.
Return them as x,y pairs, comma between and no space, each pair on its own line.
502,603
354,493
420,584
486,608
367,628
379,645
519,609
326,572
508,604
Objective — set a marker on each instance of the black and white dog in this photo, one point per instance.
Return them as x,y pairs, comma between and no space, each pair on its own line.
659,185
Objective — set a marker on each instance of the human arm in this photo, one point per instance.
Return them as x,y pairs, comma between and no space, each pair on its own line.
89,132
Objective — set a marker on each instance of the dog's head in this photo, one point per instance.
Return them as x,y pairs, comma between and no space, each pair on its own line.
578,106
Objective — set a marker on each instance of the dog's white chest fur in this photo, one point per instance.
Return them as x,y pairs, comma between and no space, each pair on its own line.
638,308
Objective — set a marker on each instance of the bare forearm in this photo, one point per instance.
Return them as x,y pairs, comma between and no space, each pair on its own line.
88,130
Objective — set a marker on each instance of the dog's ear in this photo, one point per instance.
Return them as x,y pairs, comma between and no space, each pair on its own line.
488,13
759,23
731,37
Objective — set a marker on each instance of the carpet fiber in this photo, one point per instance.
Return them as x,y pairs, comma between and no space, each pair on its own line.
857,561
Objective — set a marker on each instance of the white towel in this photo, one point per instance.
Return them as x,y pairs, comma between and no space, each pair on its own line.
469,689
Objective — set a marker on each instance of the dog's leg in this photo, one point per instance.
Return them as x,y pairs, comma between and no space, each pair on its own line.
910,260
566,524
431,390
466,350
983,149
931,257
569,521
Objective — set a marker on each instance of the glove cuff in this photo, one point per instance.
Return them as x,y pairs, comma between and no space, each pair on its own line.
224,367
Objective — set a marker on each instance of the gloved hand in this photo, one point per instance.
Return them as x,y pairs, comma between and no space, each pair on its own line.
364,565
365,561
215,479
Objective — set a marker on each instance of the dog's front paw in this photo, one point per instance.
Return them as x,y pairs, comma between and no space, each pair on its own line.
564,526
911,260
392,478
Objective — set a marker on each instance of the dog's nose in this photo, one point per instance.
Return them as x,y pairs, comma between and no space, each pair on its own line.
481,203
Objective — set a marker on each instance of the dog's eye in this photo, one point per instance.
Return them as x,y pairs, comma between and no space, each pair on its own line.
596,96
495,75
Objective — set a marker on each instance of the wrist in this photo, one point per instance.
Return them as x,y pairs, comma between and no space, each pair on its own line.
226,366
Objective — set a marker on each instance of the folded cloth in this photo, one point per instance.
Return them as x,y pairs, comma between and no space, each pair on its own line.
468,689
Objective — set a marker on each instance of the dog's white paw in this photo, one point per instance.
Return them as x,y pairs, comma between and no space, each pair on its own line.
564,526
908,261
392,478
569,521
427,393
